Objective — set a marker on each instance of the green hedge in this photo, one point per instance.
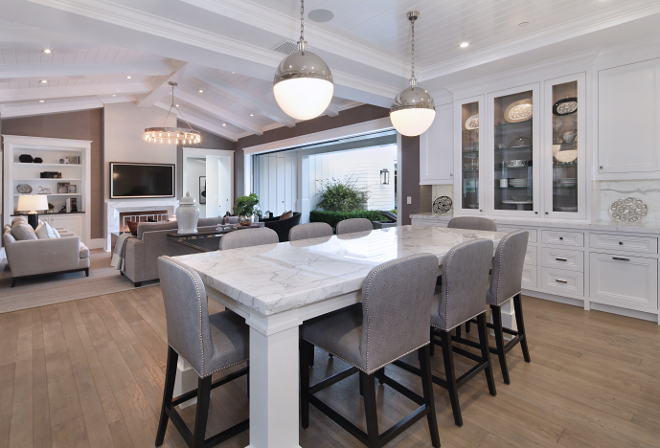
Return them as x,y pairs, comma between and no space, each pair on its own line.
333,218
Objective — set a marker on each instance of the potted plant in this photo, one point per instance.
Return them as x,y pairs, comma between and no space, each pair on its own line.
244,208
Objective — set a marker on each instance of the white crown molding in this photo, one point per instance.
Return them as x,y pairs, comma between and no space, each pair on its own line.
202,122
46,93
639,50
289,28
45,109
17,71
566,30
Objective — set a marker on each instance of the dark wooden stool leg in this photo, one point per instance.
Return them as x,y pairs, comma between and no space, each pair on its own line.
496,312
427,386
168,391
311,355
458,331
432,345
520,322
485,352
467,326
304,381
380,375
450,374
202,412
369,387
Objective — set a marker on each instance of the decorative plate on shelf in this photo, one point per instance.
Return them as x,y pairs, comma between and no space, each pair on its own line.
628,210
566,106
24,188
518,111
442,204
472,122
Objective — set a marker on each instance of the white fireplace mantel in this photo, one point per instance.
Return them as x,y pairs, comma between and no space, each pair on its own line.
114,208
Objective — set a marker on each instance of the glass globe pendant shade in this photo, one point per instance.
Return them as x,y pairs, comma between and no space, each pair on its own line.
413,111
303,85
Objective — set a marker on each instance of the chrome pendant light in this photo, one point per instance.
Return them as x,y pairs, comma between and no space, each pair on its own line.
413,110
165,134
303,84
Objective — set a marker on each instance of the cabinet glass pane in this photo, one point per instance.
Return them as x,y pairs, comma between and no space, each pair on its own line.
513,152
564,148
470,156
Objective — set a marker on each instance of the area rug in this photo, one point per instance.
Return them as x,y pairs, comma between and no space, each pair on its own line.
103,279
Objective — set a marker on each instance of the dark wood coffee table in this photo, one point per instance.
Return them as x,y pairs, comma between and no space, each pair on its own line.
207,239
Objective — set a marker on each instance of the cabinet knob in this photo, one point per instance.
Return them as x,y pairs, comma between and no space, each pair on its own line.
451,174
480,210
546,213
561,238
620,243
536,213
601,167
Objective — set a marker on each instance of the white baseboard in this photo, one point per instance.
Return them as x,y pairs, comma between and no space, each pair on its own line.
96,243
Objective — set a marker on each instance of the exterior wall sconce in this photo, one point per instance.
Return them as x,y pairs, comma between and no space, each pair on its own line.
385,176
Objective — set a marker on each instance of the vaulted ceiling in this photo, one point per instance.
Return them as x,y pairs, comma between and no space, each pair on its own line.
222,52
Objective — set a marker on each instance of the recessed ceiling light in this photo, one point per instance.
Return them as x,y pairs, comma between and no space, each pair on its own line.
41,101
321,15
464,44
200,91
47,51
233,73
113,95
44,81
252,115
176,105
129,77
521,24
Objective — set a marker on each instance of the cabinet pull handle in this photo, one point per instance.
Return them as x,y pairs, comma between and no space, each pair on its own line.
561,259
561,238
558,280
620,259
620,243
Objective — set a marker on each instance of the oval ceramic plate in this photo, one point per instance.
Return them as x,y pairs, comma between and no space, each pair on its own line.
565,107
442,204
472,122
518,111
24,188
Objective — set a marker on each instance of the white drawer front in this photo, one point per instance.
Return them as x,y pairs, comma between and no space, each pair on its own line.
532,233
530,256
560,281
630,282
529,276
561,258
575,239
636,244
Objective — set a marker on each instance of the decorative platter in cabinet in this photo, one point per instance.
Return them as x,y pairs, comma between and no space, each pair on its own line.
628,210
518,111
472,122
566,106
442,204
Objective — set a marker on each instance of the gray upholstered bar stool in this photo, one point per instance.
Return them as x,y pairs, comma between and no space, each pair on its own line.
461,298
310,230
391,322
472,223
505,285
354,225
248,237
208,343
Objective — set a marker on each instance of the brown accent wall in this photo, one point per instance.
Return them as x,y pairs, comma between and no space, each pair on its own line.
409,180
366,112
78,125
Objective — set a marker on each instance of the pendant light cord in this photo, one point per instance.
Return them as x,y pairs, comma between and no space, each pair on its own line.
301,43
174,106
413,80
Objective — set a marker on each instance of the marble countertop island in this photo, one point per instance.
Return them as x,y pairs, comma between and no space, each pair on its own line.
278,277
644,227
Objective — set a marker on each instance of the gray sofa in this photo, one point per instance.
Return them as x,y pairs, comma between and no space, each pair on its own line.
152,242
36,258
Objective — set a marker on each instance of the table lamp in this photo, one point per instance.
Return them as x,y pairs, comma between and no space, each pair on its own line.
32,203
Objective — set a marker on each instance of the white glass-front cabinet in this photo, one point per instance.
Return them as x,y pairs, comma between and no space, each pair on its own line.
563,151
526,156
512,152
469,191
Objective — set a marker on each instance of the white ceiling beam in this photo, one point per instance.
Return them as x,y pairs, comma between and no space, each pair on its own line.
53,108
249,100
46,93
182,72
17,71
332,110
201,122
222,114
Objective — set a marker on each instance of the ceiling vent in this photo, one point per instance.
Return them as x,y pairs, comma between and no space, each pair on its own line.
287,47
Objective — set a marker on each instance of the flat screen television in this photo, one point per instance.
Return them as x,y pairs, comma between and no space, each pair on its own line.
141,180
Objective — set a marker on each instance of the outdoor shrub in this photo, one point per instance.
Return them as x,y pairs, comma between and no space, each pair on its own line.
333,218
342,196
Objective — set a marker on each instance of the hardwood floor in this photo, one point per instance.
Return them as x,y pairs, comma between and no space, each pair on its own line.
89,373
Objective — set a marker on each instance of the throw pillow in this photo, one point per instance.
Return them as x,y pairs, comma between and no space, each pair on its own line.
22,231
287,215
44,231
132,227
19,220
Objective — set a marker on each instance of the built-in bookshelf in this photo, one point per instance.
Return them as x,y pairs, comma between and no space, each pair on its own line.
68,165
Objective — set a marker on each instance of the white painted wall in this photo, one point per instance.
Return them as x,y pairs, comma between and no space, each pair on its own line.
195,168
123,141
